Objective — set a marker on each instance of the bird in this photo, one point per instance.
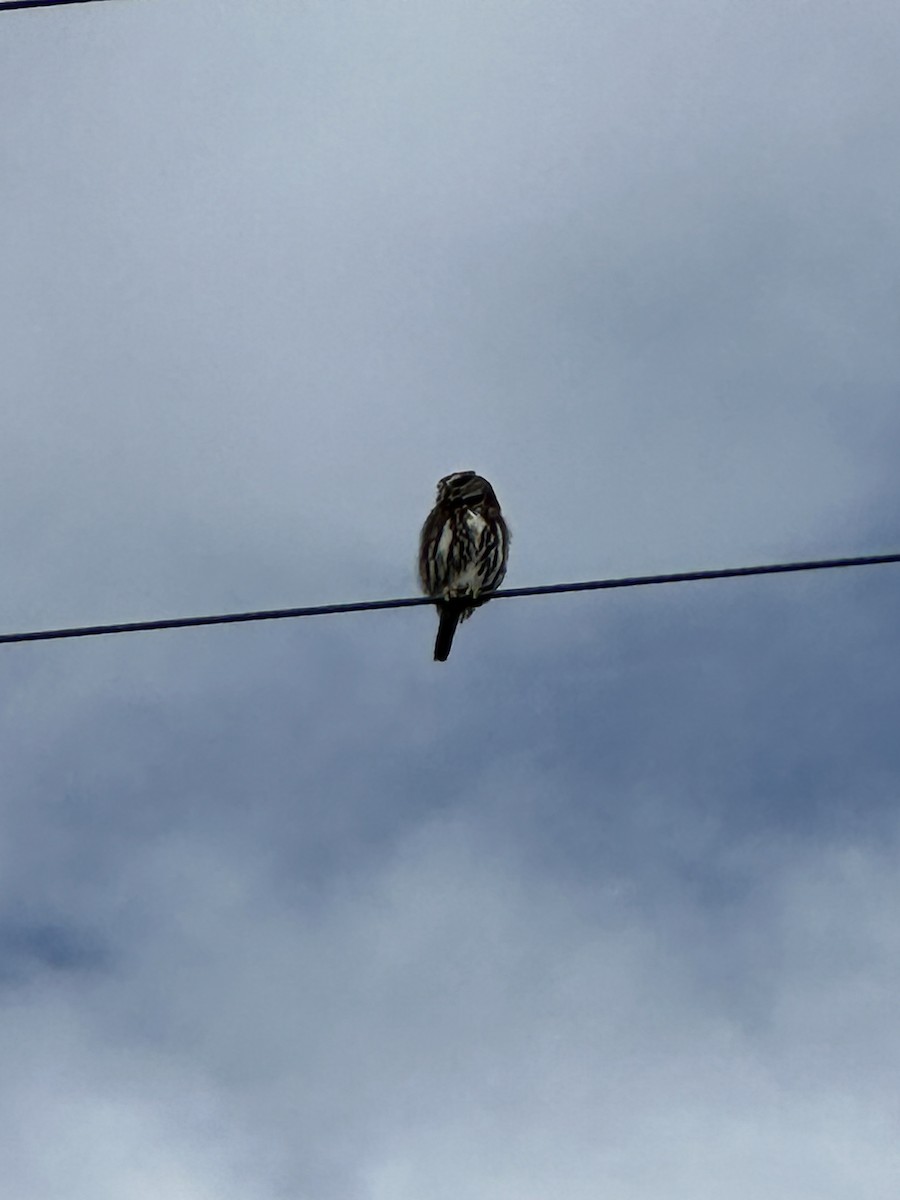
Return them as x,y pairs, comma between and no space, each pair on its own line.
462,551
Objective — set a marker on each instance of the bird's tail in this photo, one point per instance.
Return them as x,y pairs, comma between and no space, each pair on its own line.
450,613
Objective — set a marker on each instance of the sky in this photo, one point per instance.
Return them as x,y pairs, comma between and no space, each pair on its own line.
606,905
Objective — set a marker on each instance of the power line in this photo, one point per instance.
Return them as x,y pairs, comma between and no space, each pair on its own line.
324,610
8,5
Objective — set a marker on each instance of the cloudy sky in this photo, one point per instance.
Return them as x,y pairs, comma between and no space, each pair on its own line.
606,906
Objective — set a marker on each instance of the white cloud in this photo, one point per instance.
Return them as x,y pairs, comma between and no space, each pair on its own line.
446,1024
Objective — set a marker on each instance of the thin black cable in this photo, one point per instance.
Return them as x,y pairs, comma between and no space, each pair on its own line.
8,5
324,610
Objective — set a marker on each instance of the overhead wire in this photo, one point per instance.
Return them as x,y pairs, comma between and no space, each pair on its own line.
324,610
9,5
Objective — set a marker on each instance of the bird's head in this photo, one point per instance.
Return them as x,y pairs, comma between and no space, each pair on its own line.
465,489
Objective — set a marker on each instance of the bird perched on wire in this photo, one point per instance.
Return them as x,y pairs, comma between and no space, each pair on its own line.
462,551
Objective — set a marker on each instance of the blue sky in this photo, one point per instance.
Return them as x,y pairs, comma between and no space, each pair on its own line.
604,906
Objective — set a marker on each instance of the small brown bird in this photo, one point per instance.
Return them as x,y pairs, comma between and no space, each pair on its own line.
462,551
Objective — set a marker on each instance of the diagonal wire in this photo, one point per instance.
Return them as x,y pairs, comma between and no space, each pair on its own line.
324,610
9,5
